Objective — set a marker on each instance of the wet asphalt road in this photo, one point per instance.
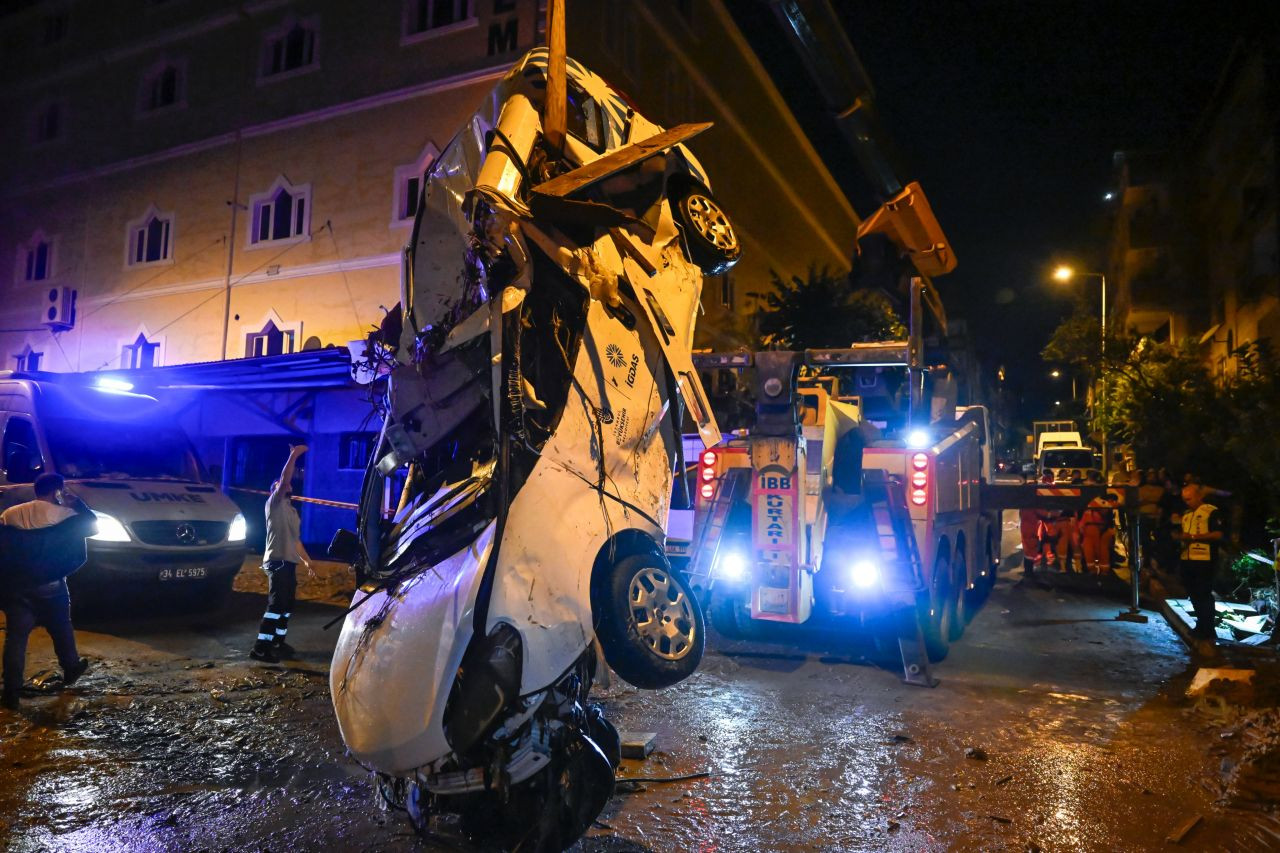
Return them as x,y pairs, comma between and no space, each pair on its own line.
177,741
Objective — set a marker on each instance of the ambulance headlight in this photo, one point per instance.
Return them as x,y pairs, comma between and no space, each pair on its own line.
864,574
732,566
238,529
109,529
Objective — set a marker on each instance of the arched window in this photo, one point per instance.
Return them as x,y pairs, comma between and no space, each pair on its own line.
35,258
163,85
281,213
139,354
291,47
149,239
408,185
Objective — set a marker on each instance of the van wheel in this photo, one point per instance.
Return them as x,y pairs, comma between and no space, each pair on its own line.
711,238
937,610
649,623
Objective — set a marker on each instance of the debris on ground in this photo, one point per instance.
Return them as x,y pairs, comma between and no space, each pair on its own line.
1234,685
1183,829
1255,777
976,753
637,744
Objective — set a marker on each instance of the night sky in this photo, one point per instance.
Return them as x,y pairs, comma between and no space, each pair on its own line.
1008,113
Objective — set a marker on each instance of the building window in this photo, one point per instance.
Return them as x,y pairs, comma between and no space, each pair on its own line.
422,17
271,340
140,354
150,239
281,213
35,258
291,48
354,450
408,185
164,85
726,291
28,359
55,26
48,125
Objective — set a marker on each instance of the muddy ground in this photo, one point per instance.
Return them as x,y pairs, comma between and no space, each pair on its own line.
177,741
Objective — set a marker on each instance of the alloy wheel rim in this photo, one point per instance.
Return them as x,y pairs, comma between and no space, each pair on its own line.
662,613
711,222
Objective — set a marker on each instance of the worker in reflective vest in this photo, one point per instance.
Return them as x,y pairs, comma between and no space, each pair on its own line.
1200,534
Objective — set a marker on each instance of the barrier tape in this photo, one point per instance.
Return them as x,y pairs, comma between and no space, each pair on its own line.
317,501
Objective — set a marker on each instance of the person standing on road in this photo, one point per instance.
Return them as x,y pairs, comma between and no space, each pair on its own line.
280,560
1201,532
44,545
1097,529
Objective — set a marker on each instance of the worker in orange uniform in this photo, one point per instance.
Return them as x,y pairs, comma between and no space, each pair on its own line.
1068,541
1098,530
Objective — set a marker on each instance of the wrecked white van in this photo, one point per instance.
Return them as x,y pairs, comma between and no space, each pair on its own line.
537,384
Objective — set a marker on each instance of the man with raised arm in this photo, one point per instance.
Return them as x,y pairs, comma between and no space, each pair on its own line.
280,560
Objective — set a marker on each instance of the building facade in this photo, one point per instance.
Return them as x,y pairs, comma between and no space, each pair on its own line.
224,180
1193,252
194,181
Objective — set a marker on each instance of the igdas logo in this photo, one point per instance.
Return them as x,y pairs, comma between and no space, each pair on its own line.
613,353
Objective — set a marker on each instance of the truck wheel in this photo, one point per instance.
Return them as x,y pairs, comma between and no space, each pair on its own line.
966,599
993,564
649,623
711,238
936,610
724,615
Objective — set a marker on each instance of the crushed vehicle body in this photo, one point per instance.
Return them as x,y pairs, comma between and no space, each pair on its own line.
511,530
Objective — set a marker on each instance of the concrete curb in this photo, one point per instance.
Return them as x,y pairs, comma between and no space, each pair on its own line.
1182,628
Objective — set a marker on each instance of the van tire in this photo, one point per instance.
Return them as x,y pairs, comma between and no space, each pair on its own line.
709,234
649,623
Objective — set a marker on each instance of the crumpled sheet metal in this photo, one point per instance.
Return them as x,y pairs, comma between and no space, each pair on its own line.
392,674
560,519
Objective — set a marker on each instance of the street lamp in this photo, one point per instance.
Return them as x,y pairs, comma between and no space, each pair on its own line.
1055,373
1065,273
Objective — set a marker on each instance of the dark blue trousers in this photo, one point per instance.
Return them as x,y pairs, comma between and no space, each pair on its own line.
23,613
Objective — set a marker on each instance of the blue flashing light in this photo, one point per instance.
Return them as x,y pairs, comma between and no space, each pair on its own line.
111,383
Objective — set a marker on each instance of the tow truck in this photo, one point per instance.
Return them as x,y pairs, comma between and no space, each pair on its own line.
907,558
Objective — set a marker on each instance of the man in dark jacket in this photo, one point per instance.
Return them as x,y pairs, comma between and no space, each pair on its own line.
42,542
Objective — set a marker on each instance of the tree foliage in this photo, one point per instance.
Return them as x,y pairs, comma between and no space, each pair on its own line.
1163,400
823,310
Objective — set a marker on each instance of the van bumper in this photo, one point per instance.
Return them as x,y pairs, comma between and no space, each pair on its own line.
161,568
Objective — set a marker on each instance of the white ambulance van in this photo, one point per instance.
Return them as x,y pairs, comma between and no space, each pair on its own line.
162,527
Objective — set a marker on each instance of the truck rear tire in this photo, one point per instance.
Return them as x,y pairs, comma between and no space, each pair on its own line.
724,615
966,600
936,610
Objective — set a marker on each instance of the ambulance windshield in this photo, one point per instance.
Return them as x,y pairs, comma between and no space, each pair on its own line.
111,450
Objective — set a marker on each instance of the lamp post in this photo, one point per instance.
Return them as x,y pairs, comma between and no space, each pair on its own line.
1065,273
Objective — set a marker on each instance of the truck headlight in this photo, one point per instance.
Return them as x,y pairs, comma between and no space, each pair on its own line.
732,566
109,529
236,532
864,574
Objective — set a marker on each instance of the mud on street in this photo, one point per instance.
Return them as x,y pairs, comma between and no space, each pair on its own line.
1054,728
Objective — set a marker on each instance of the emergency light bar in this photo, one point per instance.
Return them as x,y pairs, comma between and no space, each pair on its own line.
890,354
723,359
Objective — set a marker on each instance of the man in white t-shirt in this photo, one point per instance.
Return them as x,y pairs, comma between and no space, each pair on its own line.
280,557
40,604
